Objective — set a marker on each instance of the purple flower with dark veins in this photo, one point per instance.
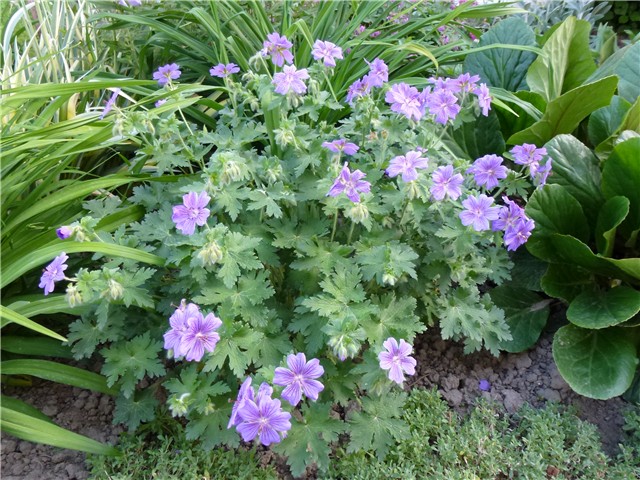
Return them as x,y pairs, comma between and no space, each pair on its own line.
327,52
166,73
406,100
444,83
341,145
509,214
221,70
359,88
278,47
264,418
179,321
466,82
479,211
407,165
397,359
527,154
245,392
446,183
193,212
484,98
350,183
519,233
488,170
378,73
299,377
290,80
53,273
64,232
443,104
200,336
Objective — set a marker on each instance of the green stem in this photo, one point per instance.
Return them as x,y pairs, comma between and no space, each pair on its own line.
404,210
326,77
335,225
353,225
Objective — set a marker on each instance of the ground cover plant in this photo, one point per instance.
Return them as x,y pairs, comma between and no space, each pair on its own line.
441,445
289,203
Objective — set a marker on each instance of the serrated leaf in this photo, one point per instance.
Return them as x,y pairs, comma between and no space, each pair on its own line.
136,409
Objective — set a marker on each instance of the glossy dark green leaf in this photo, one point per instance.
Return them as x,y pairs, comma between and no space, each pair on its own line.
601,309
624,63
621,176
598,364
526,314
630,123
611,215
577,169
566,61
605,121
565,281
503,67
479,138
564,114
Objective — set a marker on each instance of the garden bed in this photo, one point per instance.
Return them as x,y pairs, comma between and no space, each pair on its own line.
529,377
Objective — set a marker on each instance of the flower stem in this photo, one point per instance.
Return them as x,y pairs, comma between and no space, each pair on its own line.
335,225
353,225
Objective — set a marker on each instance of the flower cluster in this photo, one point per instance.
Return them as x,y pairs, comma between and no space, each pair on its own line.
516,225
191,333
532,157
378,75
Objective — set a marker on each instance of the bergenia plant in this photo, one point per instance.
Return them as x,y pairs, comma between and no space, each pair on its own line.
326,248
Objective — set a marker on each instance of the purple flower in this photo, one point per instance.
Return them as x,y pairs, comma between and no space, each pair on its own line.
539,173
53,273
407,100
527,154
221,70
519,233
160,102
166,73
245,392
278,47
484,385
64,232
326,51
350,184
378,73
484,99
179,321
407,165
359,30
341,145
443,83
192,212
488,170
130,3
397,359
478,212
508,215
263,418
466,82
443,104
359,88
290,80
299,377
200,336
446,183
110,103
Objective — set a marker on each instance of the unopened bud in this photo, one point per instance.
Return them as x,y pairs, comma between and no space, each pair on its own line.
179,405
389,278
73,296
284,137
114,290
210,254
231,172
358,213
412,190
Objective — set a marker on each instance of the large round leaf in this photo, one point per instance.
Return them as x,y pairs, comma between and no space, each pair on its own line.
602,309
595,363
565,281
526,314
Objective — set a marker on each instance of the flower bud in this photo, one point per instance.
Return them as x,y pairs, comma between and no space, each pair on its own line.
179,405
73,296
389,278
358,213
64,232
231,172
115,291
210,254
412,190
284,137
